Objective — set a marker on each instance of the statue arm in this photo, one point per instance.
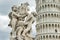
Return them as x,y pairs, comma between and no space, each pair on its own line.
29,17
34,14
17,15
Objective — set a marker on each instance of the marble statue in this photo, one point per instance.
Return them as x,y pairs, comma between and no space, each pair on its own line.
13,19
30,20
21,22
13,16
22,11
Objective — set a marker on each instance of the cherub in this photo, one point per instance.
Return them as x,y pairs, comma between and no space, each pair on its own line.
13,16
30,20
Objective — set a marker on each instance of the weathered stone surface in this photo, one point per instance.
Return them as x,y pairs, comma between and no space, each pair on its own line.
48,21
21,22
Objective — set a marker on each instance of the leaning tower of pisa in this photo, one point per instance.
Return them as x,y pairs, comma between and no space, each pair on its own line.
48,19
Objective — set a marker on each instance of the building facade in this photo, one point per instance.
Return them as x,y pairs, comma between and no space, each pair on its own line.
48,20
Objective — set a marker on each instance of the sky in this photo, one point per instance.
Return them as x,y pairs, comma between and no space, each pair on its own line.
5,8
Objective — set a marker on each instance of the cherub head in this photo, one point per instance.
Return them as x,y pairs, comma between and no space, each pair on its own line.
26,4
14,8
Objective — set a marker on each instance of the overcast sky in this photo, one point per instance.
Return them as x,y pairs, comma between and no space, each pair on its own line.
5,7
